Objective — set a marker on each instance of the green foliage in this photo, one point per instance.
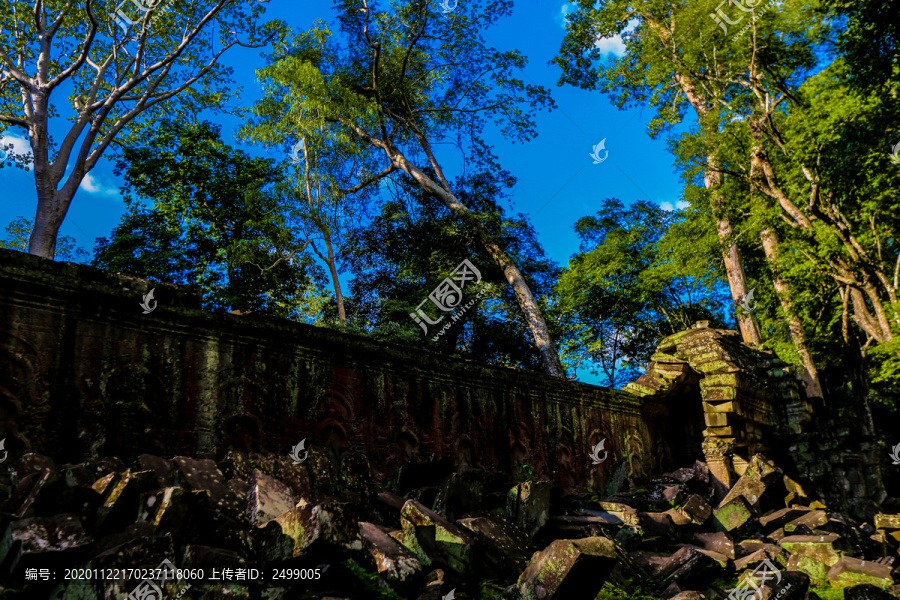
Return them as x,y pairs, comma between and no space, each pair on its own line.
67,249
629,590
414,242
369,583
642,274
214,221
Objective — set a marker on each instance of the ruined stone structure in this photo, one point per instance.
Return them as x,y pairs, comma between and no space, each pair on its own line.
754,403
84,373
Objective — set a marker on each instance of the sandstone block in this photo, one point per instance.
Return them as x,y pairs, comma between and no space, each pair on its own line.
267,498
395,564
506,547
528,505
848,572
568,569
732,514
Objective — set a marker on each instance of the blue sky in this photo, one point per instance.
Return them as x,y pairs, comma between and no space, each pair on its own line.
558,180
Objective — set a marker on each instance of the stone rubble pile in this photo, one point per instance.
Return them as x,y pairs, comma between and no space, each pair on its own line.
314,530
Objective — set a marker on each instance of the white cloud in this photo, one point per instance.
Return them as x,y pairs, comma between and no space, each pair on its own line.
19,144
669,207
92,185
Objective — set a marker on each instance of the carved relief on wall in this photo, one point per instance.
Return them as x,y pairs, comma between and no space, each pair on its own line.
240,420
134,411
23,405
568,469
634,452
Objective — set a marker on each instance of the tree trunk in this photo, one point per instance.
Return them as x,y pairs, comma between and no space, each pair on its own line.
712,179
52,207
338,296
731,256
527,303
798,336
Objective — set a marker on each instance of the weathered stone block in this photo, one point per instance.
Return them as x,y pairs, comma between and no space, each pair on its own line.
395,564
867,591
717,542
27,542
506,547
528,505
267,499
779,518
732,514
815,569
568,569
818,547
444,541
848,572
205,475
759,475
696,509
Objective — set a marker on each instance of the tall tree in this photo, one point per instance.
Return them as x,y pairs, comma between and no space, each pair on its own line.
641,274
653,71
126,69
415,242
411,78
215,221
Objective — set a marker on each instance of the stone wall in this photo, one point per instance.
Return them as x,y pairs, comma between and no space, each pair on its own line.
84,373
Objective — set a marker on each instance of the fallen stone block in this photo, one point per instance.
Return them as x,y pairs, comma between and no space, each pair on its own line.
815,569
818,547
443,541
755,558
528,505
625,513
696,509
781,517
122,499
568,569
395,564
328,529
792,585
43,541
267,498
853,571
812,520
732,514
506,547
717,542
753,483
867,591
163,469
656,524
204,475
690,566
